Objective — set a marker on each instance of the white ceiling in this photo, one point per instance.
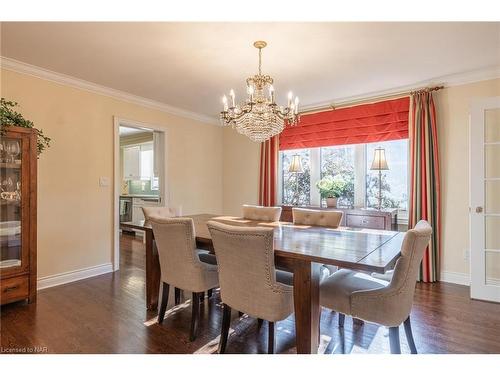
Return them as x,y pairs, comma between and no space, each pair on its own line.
191,65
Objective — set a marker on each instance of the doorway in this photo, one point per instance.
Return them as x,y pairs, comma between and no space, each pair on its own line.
139,177
485,199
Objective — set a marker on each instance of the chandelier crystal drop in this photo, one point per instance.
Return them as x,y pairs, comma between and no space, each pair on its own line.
259,117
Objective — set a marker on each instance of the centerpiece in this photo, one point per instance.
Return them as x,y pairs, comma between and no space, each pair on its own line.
331,188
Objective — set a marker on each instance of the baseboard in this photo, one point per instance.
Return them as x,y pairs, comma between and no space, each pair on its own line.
69,277
464,278
455,278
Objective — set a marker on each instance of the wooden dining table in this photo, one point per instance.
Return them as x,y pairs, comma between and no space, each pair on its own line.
301,249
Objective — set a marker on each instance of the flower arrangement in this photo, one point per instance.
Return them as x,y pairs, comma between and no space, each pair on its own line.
331,187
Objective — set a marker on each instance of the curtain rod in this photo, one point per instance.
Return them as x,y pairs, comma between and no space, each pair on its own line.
373,99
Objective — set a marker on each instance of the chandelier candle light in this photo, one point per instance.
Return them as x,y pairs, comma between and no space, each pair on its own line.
259,117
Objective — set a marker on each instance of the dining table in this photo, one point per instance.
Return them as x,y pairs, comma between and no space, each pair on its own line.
301,249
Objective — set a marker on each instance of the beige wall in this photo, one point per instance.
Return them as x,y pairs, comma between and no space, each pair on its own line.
74,213
241,158
241,171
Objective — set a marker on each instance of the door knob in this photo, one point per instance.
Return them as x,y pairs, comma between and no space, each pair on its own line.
479,209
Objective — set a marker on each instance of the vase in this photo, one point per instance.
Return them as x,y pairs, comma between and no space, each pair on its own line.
331,202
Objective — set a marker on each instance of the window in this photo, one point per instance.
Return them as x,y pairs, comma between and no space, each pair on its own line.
295,185
146,161
146,165
394,186
339,161
352,163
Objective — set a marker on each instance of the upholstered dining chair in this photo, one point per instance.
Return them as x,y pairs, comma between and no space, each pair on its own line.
161,211
181,265
384,302
249,282
157,211
261,213
319,218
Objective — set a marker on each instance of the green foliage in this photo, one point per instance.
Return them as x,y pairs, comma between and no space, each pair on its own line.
372,187
9,117
339,161
332,187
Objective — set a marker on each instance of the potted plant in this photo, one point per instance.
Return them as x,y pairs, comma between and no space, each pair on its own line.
9,117
331,188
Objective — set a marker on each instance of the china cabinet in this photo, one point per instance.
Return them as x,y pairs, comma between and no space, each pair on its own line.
18,174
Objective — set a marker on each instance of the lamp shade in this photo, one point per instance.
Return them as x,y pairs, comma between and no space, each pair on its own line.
379,162
296,165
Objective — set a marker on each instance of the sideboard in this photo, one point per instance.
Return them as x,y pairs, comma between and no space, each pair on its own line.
386,219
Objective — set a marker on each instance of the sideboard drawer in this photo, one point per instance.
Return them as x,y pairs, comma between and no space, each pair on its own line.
14,289
360,221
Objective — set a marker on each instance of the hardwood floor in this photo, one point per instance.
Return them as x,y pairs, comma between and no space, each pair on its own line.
106,314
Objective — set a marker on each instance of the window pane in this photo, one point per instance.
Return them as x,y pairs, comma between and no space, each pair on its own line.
296,186
339,161
394,180
146,164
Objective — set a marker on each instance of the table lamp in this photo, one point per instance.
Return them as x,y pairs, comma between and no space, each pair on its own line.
379,164
296,167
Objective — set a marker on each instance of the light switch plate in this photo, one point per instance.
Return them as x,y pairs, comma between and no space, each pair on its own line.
103,181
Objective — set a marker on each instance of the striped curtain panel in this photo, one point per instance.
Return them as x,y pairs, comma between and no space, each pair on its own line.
425,200
268,171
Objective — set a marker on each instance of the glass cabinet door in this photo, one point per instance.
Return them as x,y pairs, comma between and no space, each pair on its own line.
11,199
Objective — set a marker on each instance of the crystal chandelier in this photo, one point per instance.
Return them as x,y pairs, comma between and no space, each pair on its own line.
259,117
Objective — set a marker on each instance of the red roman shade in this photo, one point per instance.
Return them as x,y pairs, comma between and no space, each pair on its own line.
382,121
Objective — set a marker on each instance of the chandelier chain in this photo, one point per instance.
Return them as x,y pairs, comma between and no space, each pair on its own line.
260,61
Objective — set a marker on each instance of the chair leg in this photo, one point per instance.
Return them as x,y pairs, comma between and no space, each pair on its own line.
342,341
409,336
202,296
164,301
319,326
341,320
270,342
195,315
177,296
209,293
226,321
394,340
357,321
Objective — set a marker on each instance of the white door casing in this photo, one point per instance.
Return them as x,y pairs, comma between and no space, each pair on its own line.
164,191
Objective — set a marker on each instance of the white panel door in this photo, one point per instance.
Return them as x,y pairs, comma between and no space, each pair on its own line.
485,199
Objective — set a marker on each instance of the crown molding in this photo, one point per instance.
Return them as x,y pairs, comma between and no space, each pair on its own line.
450,80
63,79
491,72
